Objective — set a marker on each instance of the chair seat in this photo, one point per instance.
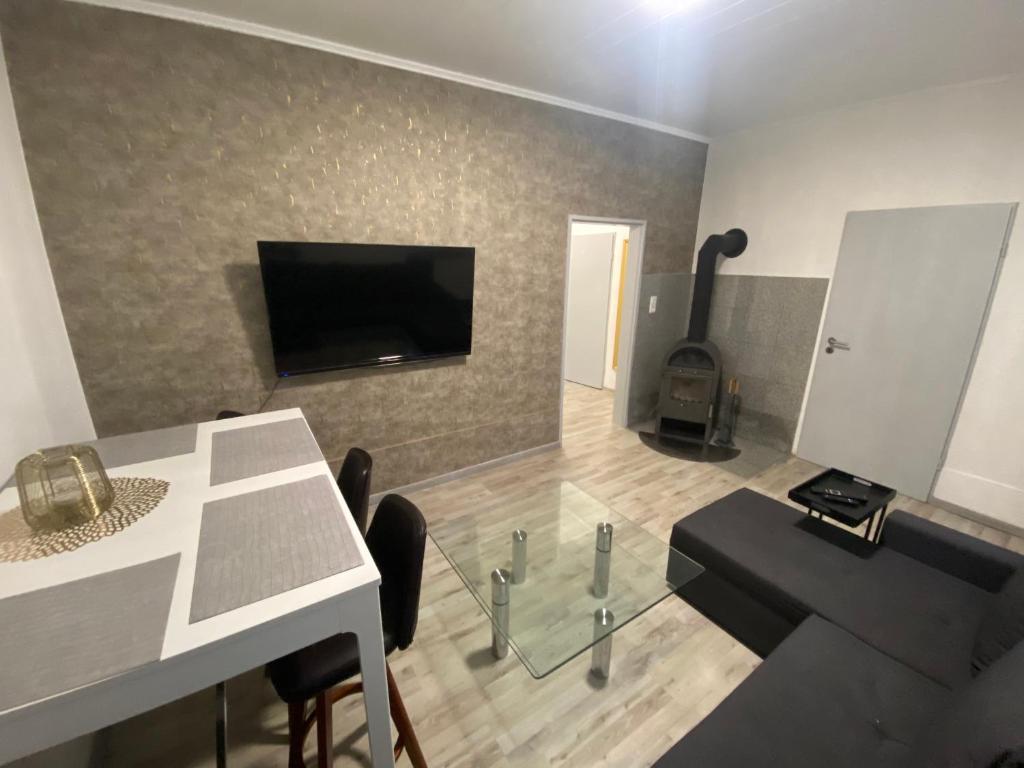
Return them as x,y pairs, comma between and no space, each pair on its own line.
301,675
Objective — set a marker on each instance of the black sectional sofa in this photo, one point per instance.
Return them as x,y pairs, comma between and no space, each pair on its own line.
900,655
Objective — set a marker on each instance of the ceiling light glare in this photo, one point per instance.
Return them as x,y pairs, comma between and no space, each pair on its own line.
665,8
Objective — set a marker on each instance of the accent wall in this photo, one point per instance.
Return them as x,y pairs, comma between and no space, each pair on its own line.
159,152
41,402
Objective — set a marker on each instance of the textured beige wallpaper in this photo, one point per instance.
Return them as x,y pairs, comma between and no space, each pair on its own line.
160,152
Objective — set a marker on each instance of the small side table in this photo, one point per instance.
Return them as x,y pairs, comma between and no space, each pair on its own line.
873,510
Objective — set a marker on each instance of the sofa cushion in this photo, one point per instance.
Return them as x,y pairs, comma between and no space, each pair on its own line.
916,614
822,698
983,721
1002,627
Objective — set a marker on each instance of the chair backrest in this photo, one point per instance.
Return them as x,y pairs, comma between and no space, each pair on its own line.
354,482
397,540
229,415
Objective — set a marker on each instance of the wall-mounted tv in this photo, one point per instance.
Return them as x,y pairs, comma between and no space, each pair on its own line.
348,305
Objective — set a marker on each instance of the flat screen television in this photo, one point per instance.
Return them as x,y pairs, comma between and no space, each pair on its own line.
347,305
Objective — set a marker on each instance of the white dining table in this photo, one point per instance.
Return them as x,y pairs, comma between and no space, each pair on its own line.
225,574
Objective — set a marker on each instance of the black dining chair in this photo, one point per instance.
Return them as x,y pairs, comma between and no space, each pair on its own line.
396,540
354,482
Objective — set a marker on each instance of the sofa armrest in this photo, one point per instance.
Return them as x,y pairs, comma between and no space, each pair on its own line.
965,557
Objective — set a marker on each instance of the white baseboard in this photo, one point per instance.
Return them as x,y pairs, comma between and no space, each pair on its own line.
988,501
471,470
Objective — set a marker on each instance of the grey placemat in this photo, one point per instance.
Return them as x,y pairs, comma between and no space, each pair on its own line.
136,448
146,446
251,451
266,542
62,637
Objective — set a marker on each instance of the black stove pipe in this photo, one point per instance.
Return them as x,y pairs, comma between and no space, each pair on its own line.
730,245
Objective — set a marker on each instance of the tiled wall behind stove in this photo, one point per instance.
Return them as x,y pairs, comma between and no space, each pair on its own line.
655,336
766,328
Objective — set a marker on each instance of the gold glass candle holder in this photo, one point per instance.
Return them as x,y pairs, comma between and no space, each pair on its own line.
64,486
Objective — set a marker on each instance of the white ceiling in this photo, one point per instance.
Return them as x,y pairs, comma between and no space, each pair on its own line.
702,66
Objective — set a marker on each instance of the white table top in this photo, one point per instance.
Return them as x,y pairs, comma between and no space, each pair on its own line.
173,528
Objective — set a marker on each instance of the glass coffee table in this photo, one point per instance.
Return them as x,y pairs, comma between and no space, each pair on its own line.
557,572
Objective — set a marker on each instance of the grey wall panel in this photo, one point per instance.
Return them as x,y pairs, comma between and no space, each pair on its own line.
655,335
159,152
766,328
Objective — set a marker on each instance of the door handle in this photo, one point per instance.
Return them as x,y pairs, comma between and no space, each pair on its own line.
834,344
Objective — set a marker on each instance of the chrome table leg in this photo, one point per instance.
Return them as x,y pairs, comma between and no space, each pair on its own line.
518,556
602,559
601,655
499,612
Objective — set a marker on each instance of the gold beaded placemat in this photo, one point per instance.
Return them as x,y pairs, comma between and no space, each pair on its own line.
134,498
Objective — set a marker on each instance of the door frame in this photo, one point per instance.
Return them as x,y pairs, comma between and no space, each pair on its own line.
630,312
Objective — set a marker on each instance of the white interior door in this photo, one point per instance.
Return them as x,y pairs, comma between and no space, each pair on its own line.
586,322
908,298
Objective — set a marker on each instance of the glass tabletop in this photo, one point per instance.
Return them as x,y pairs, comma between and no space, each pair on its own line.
551,611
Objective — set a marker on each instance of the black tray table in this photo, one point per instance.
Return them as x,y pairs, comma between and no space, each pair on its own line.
873,510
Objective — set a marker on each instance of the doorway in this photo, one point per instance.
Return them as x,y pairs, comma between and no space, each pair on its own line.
905,312
604,260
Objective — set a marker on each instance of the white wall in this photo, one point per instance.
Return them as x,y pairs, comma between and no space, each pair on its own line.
621,232
41,397
790,185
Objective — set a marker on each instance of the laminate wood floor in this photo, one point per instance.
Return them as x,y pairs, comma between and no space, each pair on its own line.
670,667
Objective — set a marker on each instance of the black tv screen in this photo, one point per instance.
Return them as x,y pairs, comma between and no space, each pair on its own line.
346,305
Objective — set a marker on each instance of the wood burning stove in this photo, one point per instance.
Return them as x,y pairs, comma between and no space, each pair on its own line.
689,392
691,378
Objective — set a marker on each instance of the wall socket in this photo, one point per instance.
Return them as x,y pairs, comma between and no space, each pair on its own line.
652,307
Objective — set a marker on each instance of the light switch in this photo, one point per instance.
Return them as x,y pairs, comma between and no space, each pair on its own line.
653,306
